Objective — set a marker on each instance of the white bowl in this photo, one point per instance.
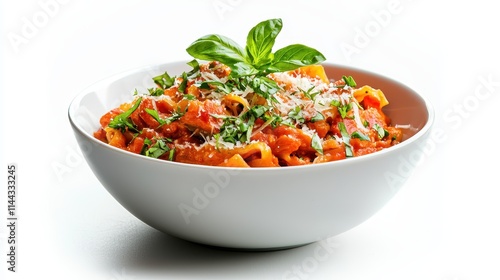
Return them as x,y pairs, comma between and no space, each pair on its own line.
256,208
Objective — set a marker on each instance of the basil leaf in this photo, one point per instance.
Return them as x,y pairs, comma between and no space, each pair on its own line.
241,69
175,116
346,139
196,68
122,120
381,132
156,91
234,129
171,154
294,56
318,117
164,80
316,143
217,47
157,150
183,85
310,93
343,109
349,81
258,111
265,87
260,41
189,97
224,87
156,116
297,115
359,135
145,146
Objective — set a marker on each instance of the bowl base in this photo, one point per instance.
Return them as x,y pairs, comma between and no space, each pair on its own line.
245,249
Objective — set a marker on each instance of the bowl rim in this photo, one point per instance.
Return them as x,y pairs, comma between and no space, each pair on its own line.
75,102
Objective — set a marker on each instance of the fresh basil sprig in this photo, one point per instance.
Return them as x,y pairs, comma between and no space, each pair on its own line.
257,57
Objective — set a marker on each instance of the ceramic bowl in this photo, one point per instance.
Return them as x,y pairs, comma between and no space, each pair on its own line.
255,208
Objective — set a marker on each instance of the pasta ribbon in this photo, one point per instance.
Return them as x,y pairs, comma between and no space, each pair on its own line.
376,96
233,102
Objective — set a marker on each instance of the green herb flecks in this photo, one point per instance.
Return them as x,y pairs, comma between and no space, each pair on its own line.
343,109
158,149
296,115
239,129
310,93
234,130
155,91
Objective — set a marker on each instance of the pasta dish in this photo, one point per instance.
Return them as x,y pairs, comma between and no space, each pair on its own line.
250,107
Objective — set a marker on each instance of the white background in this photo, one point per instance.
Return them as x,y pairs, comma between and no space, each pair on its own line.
442,225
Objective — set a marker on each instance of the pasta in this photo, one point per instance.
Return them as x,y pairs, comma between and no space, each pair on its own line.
286,118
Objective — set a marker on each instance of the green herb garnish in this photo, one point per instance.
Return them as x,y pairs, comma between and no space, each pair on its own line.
346,138
316,143
257,57
310,93
318,117
343,109
156,91
164,80
122,121
349,81
297,115
359,135
175,116
381,132
157,149
234,130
